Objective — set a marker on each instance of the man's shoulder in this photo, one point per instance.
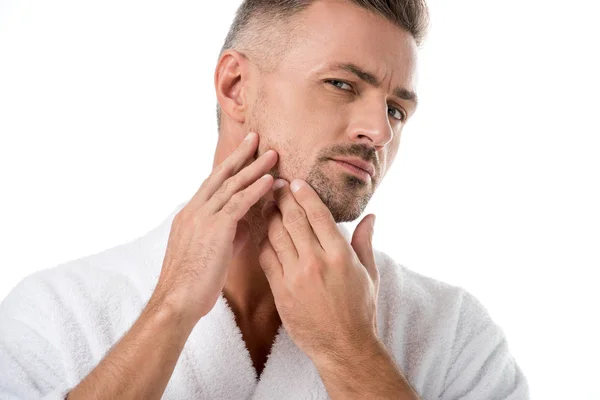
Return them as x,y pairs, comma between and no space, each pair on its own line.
427,295
416,306
123,271
81,287
441,335
405,286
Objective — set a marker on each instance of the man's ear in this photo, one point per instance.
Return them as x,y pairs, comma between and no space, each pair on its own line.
231,75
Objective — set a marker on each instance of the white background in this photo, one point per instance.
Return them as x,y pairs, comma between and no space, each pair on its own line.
107,123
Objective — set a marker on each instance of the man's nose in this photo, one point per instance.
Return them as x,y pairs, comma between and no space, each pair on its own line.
371,125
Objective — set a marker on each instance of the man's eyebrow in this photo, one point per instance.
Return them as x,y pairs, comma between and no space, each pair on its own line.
370,78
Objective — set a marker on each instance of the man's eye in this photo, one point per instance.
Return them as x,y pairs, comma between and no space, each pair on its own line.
339,84
397,113
393,111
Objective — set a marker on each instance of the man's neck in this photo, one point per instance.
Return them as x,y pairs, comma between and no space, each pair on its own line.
247,289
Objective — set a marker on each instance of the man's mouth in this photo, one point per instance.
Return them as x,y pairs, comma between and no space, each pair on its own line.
354,169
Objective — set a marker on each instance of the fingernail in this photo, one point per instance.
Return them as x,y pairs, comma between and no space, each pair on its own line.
278,184
295,185
250,136
373,222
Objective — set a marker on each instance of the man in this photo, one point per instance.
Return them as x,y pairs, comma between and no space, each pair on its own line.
251,289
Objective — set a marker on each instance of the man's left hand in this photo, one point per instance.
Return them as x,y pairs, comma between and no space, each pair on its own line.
324,288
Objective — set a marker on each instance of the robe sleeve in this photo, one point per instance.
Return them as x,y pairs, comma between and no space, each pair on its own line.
30,365
481,365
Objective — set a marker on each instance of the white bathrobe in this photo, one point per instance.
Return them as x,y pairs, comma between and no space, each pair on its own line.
58,323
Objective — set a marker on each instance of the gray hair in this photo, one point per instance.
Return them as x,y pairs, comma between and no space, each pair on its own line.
257,22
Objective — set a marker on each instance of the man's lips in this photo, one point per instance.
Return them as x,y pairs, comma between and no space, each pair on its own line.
358,163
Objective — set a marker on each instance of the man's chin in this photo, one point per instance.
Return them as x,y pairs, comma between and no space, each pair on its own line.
345,213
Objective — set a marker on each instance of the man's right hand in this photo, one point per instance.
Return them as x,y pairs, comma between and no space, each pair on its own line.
209,231
205,235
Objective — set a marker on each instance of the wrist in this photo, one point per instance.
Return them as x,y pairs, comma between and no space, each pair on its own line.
350,356
171,310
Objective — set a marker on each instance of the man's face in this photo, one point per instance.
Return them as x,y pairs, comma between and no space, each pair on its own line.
315,107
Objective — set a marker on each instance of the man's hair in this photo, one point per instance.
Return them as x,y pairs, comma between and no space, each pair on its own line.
262,28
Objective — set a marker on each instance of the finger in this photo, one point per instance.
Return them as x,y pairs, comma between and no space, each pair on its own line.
239,204
241,180
278,236
269,262
242,233
319,216
294,219
230,166
362,243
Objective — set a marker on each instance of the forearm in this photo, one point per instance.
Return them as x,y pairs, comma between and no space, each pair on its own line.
140,365
369,373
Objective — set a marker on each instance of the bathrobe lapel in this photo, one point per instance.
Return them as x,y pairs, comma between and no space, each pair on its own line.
226,370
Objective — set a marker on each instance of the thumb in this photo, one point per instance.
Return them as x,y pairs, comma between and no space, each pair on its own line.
242,233
362,243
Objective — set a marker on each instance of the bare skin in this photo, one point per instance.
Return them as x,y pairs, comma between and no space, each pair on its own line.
307,112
